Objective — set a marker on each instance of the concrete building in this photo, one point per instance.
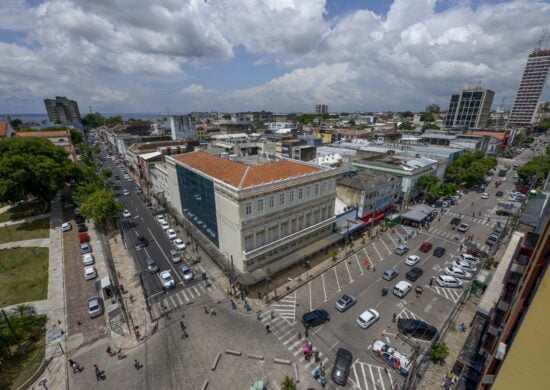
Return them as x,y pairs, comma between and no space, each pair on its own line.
371,192
278,126
6,131
531,88
433,108
263,214
159,186
61,138
469,109
183,127
62,110
321,109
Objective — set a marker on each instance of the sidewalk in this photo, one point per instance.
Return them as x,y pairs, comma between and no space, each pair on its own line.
40,306
28,219
37,242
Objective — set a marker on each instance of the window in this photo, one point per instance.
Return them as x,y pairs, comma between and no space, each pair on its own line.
284,229
300,222
300,194
291,196
248,208
294,225
272,233
323,187
248,243
271,202
308,219
316,190
308,192
282,199
260,205
260,238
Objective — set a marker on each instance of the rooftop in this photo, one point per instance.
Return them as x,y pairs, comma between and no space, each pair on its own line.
245,172
365,180
42,134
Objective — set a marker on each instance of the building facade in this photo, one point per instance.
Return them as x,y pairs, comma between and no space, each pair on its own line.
259,212
62,110
321,109
183,127
469,109
530,89
61,138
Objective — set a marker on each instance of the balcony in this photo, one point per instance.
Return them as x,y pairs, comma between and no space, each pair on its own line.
517,268
493,330
503,305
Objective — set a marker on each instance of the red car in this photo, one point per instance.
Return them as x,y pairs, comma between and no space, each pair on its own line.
425,247
84,237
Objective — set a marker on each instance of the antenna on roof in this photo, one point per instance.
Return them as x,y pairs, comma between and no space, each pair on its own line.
542,39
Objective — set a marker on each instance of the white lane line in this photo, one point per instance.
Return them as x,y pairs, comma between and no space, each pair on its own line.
371,374
310,303
337,281
180,301
359,265
324,289
355,371
185,295
380,378
392,240
196,291
335,344
364,376
289,339
383,243
166,257
294,345
378,253
349,273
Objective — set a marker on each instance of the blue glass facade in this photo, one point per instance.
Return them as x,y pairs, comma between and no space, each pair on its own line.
198,202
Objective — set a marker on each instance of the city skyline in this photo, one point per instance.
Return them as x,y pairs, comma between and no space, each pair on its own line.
281,57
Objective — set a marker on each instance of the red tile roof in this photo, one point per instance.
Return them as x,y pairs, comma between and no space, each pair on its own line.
501,135
3,129
240,175
42,134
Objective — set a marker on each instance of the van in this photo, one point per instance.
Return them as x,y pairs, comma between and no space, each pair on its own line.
402,288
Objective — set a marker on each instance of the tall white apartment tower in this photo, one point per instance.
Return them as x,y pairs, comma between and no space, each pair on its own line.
530,89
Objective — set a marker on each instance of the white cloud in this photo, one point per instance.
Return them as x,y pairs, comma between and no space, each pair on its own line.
119,51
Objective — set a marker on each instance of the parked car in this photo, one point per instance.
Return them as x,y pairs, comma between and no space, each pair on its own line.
126,214
401,250
85,248
88,259
457,272
448,281
178,242
414,273
412,260
416,328
390,274
463,227
439,251
315,318
84,237
142,241
485,196
456,221
125,192
469,258
95,306
392,357
89,273
164,225
159,218
65,227
175,256
82,228
425,247
499,193
492,240
171,233
341,367
186,273
152,266
465,265
345,302
367,318
477,252
167,280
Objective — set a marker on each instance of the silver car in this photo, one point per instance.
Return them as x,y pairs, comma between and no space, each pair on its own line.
186,273
345,302
95,306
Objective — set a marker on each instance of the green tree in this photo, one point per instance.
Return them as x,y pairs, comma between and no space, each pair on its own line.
541,127
113,121
288,384
426,182
439,352
407,114
32,167
430,126
305,118
93,120
16,123
76,137
102,207
352,122
538,166
427,117
406,126
470,168
226,116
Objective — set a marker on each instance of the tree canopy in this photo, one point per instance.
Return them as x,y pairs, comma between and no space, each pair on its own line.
32,167
426,182
101,206
93,120
470,168
427,117
430,126
113,121
406,126
539,166
16,123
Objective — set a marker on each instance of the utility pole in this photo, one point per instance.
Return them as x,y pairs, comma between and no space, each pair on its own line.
232,277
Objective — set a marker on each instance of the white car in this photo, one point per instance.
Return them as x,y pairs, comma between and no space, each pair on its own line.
178,242
448,281
65,227
88,259
485,196
125,192
128,178
457,272
469,258
412,260
167,280
160,218
171,234
466,266
89,273
367,318
126,214
463,227
164,225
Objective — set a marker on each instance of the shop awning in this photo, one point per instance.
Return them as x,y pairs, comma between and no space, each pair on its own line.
105,282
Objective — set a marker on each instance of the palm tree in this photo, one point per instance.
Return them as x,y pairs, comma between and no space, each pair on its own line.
288,384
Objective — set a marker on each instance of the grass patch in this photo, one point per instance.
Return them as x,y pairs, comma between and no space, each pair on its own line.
23,275
39,228
17,368
22,210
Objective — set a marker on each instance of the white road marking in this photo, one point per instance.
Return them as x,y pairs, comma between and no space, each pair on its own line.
336,276
383,243
310,303
378,253
349,273
331,348
324,289
359,264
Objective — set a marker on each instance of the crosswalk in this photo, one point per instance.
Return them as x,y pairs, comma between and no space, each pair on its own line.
182,297
452,294
368,376
286,308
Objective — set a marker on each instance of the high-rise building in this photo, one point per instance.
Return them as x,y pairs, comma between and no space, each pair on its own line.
183,127
62,110
433,108
470,108
321,109
530,89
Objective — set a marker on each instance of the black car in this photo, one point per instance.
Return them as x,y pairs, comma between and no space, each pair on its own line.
342,365
315,318
117,177
79,219
416,328
491,241
499,193
142,242
82,228
456,221
414,273
439,251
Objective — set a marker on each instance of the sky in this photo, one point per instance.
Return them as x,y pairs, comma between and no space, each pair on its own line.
178,56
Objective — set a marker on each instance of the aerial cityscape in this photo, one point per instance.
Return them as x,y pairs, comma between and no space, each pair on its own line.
274,194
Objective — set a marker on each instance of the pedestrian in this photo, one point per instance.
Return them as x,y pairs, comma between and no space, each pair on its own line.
316,373
259,315
205,309
394,317
432,281
299,335
137,366
323,378
97,372
212,312
307,332
272,314
267,329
